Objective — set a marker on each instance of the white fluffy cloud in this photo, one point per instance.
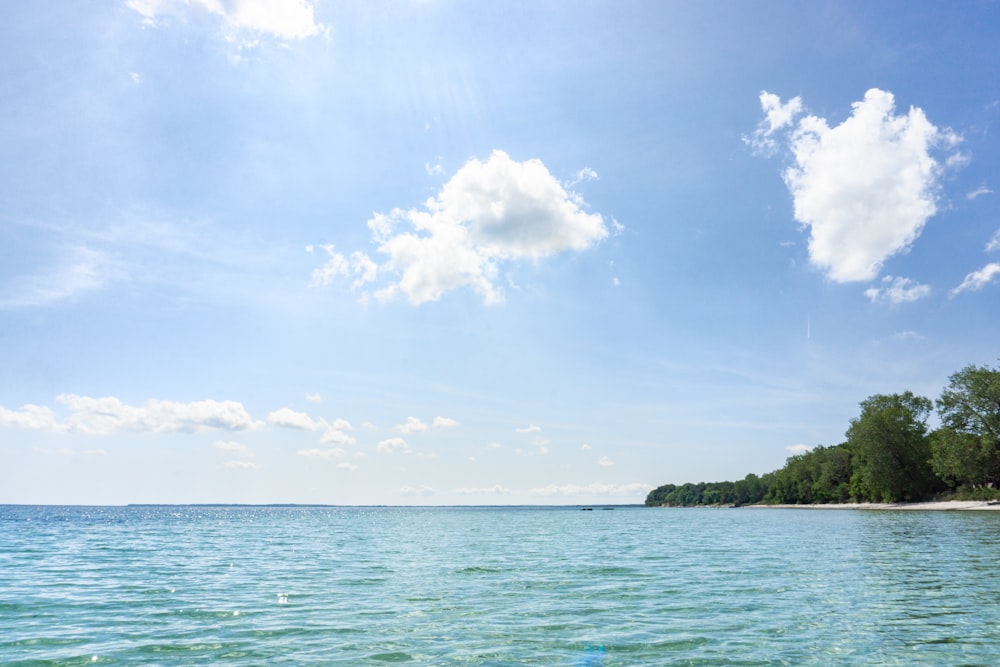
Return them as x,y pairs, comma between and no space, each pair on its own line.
866,187
288,418
978,279
32,418
285,19
445,422
102,416
897,290
489,213
107,415
412,425
233,448
392,445
605,462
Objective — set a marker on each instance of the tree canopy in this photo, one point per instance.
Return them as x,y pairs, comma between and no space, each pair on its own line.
889,454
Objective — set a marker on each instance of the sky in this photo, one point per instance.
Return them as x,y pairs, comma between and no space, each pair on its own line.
436,252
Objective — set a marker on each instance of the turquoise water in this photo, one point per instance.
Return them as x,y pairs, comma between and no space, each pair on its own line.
496,586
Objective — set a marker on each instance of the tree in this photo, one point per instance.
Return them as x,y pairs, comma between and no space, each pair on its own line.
890,449
966,449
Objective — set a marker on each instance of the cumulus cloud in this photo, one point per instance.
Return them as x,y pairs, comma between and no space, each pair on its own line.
445,422
530,428
103,416
412,425
392,445
107,415
284,19
233,448
795,450
288,418
776,117
487,214
349,467
978,279
866,187
897,290
31,418
605,462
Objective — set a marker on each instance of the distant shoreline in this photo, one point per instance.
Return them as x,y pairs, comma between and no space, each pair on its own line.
942,506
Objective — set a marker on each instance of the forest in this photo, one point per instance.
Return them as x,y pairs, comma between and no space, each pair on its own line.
890,455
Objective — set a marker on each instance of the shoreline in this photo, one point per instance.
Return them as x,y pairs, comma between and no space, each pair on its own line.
933,506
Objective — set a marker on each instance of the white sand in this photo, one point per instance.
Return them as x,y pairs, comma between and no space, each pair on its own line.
950,505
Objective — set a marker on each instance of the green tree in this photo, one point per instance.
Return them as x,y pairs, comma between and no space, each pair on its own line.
890,449
966,449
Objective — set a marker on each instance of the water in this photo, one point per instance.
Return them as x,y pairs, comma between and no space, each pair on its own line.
496,586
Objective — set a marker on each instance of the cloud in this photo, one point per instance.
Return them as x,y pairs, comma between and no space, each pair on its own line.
866,187
530,428
979,192
978,279
487,214
349,467
412,425
335,434
337,265
897,290
903,336
80,271
31,418
776,117
288,418
103,416
232,447
392,445
285,19
605,462
445,422
585,447
314,398
994,242
796,450
542,444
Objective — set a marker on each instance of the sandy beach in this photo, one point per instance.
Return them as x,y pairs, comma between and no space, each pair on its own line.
946,506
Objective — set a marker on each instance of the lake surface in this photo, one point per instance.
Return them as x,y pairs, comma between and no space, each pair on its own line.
182,585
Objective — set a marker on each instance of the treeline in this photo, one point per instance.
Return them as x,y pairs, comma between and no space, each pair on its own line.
890,455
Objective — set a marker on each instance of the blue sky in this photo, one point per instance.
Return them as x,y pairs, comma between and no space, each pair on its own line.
479,253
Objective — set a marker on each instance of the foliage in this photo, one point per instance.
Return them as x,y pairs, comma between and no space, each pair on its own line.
966,449
888,457
891,449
